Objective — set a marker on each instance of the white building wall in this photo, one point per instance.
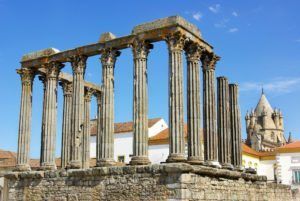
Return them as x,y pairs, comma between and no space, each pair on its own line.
266,167
250,162
157,128
158,153
123,146
285,167
123,143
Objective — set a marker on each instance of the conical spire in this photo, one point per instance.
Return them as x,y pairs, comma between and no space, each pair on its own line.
263,105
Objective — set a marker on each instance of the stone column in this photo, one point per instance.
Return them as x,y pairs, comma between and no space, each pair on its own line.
176,122
98,136
140,103
235,118
86,131
50,116
42,78
209,109
66,124
195,137
224,135
108,59
23,154
78,65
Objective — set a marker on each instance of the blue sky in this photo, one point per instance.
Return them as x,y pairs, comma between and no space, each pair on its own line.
259,42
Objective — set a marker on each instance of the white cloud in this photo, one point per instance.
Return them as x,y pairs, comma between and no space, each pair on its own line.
197,16
215,8
222,23
232,30
235,14
278,85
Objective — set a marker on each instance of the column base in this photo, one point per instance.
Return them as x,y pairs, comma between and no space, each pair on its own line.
227,166
176,158
48,166
250,170
214,164
105,162
22,167
140,160
74,165
195,160
239,168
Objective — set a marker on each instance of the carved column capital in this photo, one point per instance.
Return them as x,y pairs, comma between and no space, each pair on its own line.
27,75
141,49
67,87
176,41
98,96
78,63
108,57
53,69
88,94
193,52
209,61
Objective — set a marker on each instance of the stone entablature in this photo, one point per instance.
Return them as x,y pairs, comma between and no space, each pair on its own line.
154,182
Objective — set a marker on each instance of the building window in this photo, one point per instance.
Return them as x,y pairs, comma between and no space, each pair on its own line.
121,159
273,136
255,165
296,176
249,164
243,163
295,159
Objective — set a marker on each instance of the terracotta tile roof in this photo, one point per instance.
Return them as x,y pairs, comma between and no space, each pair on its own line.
295,144
248,150
7,159
163,136
123,127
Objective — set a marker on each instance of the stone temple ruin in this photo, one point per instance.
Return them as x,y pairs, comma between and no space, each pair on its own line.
212,170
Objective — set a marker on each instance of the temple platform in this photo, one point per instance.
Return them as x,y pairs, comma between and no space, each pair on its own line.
174,181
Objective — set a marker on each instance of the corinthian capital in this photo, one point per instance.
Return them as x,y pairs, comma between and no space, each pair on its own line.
176,41
109,56
78,63
141,49
98,95
53,69
193,52
88,93
67,87
209,61
27,75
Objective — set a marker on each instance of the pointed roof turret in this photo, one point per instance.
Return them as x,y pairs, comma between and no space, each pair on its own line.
263,105
290,140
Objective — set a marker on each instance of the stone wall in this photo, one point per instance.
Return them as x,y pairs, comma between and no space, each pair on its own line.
155,182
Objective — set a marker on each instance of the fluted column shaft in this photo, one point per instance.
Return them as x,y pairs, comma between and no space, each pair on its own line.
78,65
66,124
108,59
23,154
176,122
86,131
140,104
50,116
209,109
235,118
195,137
224,135
99,131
